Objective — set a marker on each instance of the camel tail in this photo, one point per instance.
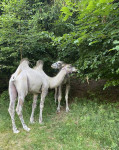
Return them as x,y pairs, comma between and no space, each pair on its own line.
12,91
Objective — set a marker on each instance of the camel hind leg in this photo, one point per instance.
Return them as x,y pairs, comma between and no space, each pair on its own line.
22,88
43,95
59,98
33,107
56,94
66,97
11,110
12,114
19,112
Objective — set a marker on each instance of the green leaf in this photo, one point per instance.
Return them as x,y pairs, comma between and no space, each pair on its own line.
115,42
93,42
116,48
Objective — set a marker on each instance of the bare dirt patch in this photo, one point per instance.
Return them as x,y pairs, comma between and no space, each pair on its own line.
93,89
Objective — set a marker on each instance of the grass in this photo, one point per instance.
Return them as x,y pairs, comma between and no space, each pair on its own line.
90,125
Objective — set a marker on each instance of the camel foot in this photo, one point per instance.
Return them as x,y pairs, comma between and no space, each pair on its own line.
15,131
67,109
32,121
40,122
55,101
58,110
26,128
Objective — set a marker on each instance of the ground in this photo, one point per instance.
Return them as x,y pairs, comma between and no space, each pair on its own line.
95,89
91,124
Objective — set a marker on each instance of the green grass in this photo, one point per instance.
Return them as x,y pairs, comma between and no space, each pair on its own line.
90,125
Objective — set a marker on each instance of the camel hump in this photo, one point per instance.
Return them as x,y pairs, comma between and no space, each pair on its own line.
39,65
24,64
24,60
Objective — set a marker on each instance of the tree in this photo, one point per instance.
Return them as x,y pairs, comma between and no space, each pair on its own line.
25,31
93,39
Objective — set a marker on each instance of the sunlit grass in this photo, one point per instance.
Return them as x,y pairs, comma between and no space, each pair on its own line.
90,125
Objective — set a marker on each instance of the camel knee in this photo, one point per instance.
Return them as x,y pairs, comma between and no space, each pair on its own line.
11,108
19,111
41,106
19,106
34,105
66,97
59,98
10,111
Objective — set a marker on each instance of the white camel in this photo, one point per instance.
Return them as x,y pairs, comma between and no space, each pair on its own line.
25,80
58,91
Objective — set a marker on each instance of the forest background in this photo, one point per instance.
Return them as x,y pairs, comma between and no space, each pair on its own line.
81,32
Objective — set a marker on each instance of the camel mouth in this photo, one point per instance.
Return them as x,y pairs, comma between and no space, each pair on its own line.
74,70
53,66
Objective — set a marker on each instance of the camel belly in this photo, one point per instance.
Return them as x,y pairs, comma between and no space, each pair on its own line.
35,87
34,82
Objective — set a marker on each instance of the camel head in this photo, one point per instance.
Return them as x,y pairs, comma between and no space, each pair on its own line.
69,68
58,65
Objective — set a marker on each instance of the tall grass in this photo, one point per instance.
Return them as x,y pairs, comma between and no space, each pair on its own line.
90,125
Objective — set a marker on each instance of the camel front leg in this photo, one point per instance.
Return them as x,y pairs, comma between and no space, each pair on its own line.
19,112
59,98
43,95
56,94
66,96
35,96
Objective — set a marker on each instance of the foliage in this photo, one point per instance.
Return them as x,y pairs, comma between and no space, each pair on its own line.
84,33
26,31
93,40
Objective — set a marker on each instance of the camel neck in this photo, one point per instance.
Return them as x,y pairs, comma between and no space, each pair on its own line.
58,79
54,81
